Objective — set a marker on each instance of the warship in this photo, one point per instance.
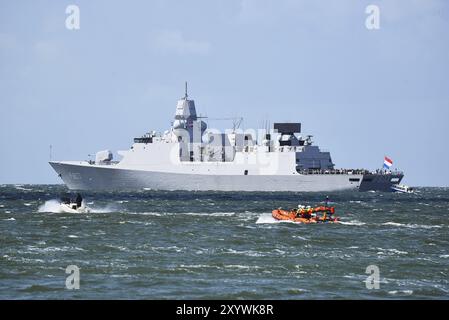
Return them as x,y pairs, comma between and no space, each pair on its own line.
189,156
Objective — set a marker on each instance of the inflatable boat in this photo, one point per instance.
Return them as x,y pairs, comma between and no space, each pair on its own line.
306,215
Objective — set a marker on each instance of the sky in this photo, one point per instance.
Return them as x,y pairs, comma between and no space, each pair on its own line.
362,93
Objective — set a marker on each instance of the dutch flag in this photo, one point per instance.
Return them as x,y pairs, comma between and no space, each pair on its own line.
388,163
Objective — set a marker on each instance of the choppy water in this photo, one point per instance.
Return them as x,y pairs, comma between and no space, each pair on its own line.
209,245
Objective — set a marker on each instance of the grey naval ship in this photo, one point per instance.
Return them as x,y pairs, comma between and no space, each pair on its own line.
189,156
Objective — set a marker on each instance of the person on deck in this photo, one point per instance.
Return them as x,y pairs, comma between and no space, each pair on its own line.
79,200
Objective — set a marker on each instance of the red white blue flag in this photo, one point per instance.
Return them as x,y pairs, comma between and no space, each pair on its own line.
388,163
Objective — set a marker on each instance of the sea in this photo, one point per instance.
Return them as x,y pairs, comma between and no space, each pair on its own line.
222,245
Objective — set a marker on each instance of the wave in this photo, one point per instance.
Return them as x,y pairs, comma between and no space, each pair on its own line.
197,266
212,214
391,251
249,253
159,214
409,225
239,266
20,187
353,223
170,248
401,292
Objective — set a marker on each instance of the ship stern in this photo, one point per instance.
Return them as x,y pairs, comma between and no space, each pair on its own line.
380,181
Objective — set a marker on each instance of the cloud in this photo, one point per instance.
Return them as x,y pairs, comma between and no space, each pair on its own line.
168,41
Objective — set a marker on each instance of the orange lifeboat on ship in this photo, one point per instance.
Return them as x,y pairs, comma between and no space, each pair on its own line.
306,215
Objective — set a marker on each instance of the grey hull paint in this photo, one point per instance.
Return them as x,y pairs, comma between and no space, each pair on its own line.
82,177
379,182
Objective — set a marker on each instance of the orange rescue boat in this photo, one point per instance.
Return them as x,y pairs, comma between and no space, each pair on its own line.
307,215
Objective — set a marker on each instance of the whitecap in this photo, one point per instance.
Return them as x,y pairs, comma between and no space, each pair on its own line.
444,256
213,214
170,248
238,266
301,238
249,253
412,226
47,249
146,213
19,187
401,292
9,219
353,223
391,251
222,214
197,266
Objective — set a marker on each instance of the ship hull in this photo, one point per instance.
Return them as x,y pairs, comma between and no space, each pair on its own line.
91,177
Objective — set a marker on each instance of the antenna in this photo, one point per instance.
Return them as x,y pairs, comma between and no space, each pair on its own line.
50,152
186,95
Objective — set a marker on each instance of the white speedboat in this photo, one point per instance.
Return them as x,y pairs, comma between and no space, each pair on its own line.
402,188
73,208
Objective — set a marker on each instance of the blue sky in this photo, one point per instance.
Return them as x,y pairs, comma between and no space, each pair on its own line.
362,93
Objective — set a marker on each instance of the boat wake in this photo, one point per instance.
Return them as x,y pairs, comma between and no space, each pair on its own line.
268,218
53,206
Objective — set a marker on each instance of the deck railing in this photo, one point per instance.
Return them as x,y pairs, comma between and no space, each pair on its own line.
348,171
